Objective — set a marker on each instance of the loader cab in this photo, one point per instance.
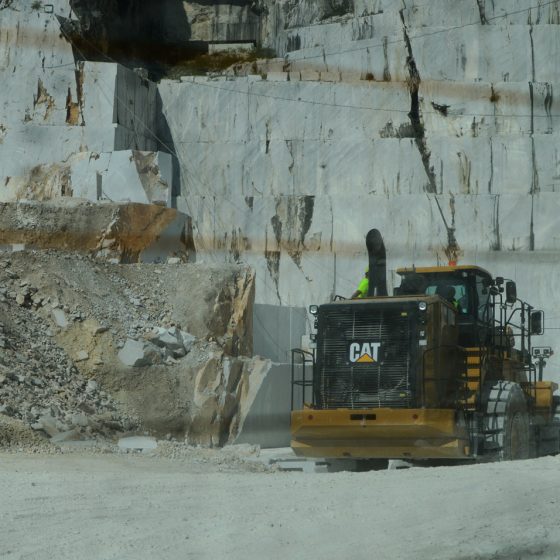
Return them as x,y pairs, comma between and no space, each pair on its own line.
465,288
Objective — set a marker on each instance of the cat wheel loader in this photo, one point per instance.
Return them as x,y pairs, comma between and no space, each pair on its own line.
443,369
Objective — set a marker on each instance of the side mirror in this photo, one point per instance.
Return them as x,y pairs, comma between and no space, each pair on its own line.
511,292
536,324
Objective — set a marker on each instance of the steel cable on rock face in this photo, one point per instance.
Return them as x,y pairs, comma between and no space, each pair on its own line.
372,109
340,105
428,34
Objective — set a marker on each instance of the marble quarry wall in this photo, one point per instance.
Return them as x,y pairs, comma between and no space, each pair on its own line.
77,128
434,122
52,107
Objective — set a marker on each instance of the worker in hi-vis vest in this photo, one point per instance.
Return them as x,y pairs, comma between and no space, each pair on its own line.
362,290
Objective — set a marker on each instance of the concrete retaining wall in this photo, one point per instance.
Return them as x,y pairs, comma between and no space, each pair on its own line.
268,422
277,329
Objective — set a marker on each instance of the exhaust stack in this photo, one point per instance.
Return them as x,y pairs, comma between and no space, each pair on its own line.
377,264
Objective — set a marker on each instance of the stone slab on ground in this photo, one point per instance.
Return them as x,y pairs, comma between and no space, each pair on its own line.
141,443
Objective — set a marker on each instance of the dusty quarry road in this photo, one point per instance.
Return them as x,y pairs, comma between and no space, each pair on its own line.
80,506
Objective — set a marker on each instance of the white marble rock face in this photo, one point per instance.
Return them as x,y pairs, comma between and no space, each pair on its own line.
292,186
288,168
53,109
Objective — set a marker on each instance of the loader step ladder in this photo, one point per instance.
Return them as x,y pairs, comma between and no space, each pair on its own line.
473,377
302,383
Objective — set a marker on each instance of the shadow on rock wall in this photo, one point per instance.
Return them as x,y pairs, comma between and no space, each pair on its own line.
152,35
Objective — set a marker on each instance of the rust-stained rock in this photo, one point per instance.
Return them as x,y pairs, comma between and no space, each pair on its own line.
224,391
204,427
129,232
43,182
207,380
43,98
219,305
122,176
72,110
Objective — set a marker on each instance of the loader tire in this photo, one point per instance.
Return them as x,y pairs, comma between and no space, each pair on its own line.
507,434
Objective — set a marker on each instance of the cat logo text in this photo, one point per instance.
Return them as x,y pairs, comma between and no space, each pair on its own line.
364,352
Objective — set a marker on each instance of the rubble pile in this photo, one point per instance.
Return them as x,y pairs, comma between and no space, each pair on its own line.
39,383
94,349
231,458
156,347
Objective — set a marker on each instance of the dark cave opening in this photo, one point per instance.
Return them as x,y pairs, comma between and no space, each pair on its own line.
153,35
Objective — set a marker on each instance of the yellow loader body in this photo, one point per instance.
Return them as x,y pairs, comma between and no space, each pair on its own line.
382,433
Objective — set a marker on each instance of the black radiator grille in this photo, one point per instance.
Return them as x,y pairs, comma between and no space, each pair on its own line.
388,381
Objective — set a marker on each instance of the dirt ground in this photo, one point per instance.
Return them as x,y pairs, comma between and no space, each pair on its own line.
115,506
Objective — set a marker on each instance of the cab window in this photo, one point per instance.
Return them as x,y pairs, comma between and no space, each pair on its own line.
454,292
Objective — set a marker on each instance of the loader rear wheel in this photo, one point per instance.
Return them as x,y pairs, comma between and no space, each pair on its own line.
506,424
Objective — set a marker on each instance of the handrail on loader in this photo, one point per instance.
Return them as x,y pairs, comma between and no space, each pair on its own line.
307,357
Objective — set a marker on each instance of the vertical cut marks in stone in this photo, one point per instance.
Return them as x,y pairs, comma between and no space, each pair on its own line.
386,72
491,178
452,250
43,98
299,218
273,266
544,91
66,183
238,244
535,187
272,256
532,230
277,228
482,12
306,205
294,43
548,106
79,73
497,243
290,224
465,167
